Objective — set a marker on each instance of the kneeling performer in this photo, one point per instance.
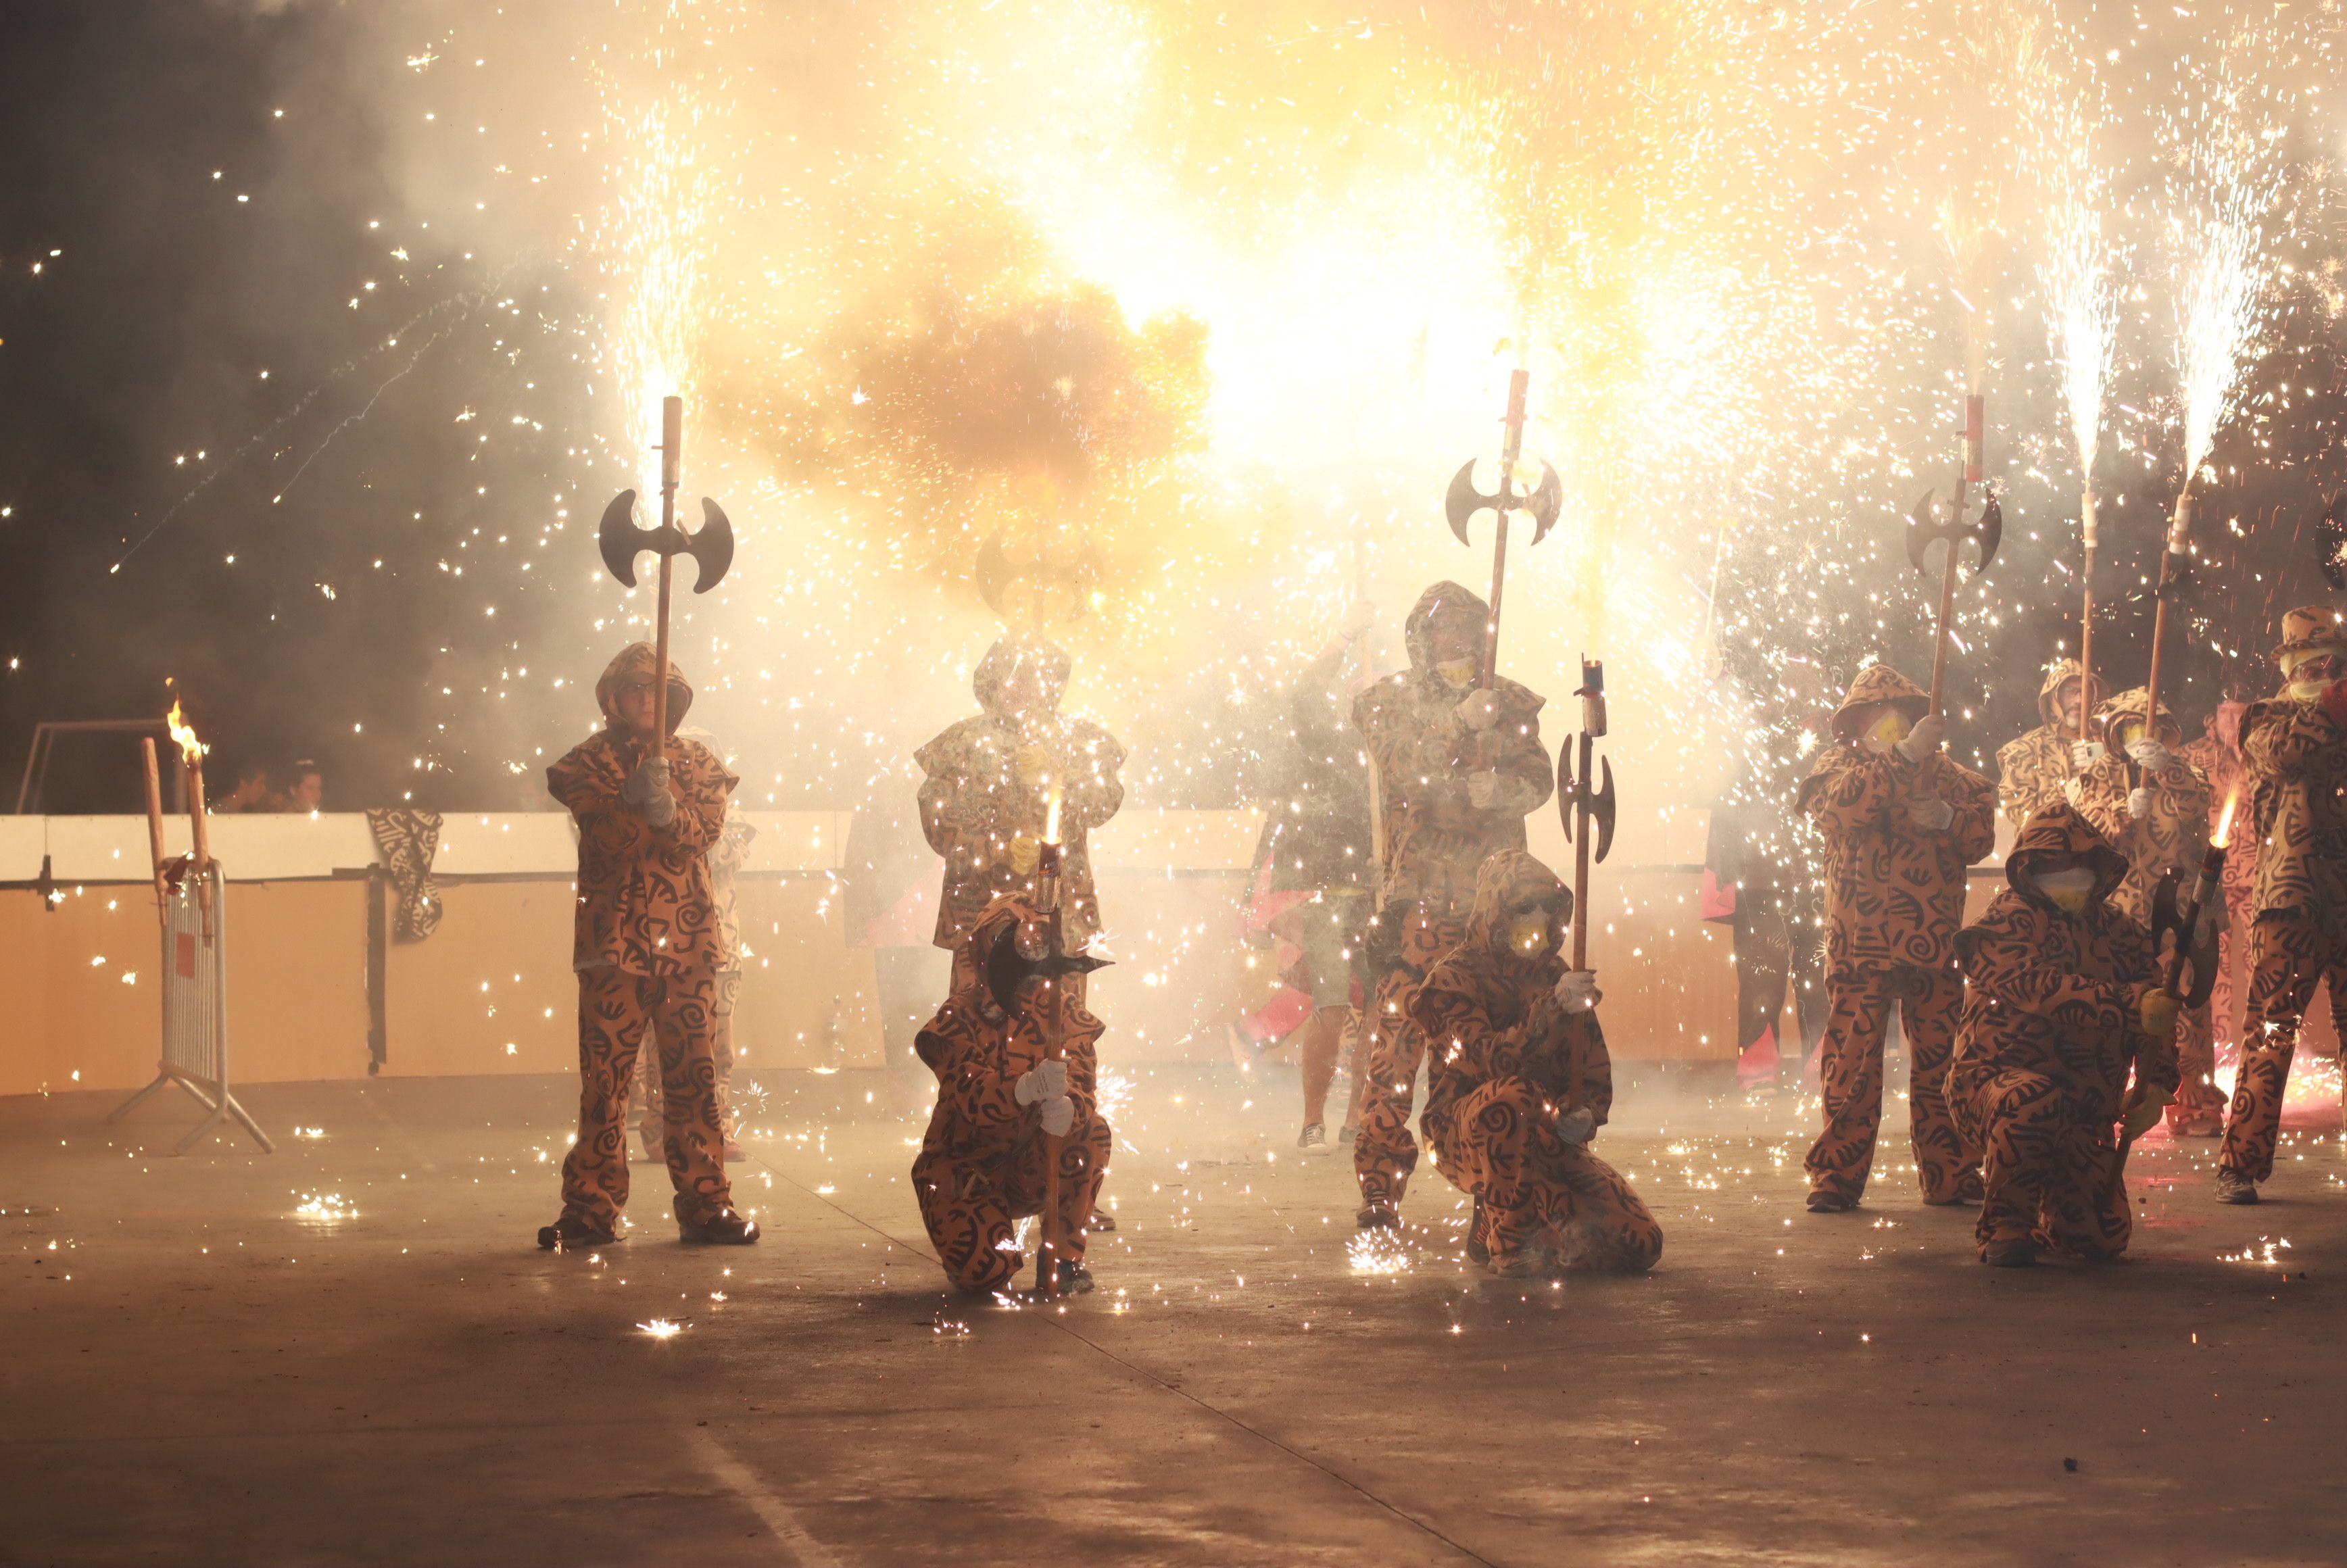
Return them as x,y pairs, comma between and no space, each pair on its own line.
2063,1001
1013,1052
1520,1082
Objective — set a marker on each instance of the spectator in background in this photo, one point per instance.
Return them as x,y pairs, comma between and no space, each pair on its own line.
251,794
305,790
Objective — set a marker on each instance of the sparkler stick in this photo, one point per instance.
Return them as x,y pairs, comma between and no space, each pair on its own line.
155,826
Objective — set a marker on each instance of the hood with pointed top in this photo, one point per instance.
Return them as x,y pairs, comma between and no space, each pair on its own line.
2061,832
639,659
1879,683
1445,601
2049,693
1508,881
2134,704
1045,659
2307,628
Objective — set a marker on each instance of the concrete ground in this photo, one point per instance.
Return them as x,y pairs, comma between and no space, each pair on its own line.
351,1352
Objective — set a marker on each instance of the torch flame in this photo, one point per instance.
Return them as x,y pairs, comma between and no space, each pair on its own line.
2225,821
1052,817
185,733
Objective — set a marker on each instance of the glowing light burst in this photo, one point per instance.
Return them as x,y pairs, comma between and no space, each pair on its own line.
2077,270
1377,1252
183,734
661,1328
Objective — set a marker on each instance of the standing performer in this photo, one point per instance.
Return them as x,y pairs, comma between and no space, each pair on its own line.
2032,770
1520,1082
1901,821
2296,745
1460,767
2160,824
2063,999
981,1168
646,948
989,783
2217,754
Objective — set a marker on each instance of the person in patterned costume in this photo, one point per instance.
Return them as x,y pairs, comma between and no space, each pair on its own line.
2296,747
2064,998
1459,768
1901,821
2217,754
988,781
981,1165
2032,770
1518,1082
2152,805
645,944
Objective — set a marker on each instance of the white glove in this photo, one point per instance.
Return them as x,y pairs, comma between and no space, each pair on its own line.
1047,1081
1480,711
2073,792
2149,754
1577,1127
1483,790
1576,990
1930,814
1359,616
1059,1115
2085,754
2138,802
1925,738
649,779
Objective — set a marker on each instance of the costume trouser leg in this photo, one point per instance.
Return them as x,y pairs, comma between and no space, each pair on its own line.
651,1112
1764,961
972,1207
2199,1104
2291,952
2045,1165
1533,1186
615,1010
1385,1153
1859,1011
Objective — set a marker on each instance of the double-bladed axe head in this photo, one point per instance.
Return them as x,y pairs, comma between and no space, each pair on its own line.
1007,967
1572,798
2331,541
712,548
1923,526
1462,501
2197,940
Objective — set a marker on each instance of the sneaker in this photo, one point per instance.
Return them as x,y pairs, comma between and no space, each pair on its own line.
2012,1252
724,1228
1347,1133
568,1235
1823,1202
733,1154
1377,1217
1243,1047
1075,1279
2196,1129
2232,1187
1313,1140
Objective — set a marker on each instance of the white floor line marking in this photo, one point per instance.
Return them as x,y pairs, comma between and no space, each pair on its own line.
805,1549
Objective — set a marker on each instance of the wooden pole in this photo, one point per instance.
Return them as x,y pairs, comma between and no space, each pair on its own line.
1047,1224
1973,429
1581,851
200,865
154,827
2086,626
672,443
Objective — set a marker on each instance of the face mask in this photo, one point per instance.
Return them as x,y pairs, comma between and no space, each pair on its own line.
1888,732
1457,673
2070,891
2307,691
1528,934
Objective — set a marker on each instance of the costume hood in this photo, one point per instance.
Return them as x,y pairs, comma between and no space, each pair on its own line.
1445,601
2309,627
2048,694
1046,658
2060,831
1880,683
2134,704
638,658
1508,880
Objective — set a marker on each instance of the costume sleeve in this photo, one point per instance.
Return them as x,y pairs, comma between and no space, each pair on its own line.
2284,744
701,785
1587,1041
590,793
1854,792
2156,1061
2000,954
1417,759
1451,1009
1524,762
2102,797
1095,779
954,809
975,1098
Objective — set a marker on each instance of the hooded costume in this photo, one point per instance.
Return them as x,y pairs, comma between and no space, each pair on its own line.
2173,835
1425,758
989,782
1894,898
981,1165
2296,749
1508,1065
2051,1027
647,947
2217,754
2030,771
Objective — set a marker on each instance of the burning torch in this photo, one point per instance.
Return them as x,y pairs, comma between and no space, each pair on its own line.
199,863
2180,919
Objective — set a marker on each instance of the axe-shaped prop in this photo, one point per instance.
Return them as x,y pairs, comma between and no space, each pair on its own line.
2331,541
1924,527
1582,796
996,571
2178,918
711,546
1463,501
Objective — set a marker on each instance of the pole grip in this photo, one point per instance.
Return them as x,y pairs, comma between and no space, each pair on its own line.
155,822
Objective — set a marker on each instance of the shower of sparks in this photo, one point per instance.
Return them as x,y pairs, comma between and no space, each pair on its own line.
2077,269
662,1327
1377,1252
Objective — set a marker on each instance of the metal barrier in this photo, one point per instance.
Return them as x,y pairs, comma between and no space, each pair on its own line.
195,1008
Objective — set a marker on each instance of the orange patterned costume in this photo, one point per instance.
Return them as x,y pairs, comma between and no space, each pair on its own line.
2172,834
645,944
1510,1068
2051,1026
1894,897
2217,754
981,1165
2031,770
2296,746
1435,836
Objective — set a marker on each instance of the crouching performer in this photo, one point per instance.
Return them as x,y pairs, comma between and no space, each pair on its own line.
1519,1081
646,947
1014,1049
2063,1001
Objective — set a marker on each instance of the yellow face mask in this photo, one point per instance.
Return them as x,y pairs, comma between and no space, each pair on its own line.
1457,673
2306,690
1528,934
2070,890
1888,732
